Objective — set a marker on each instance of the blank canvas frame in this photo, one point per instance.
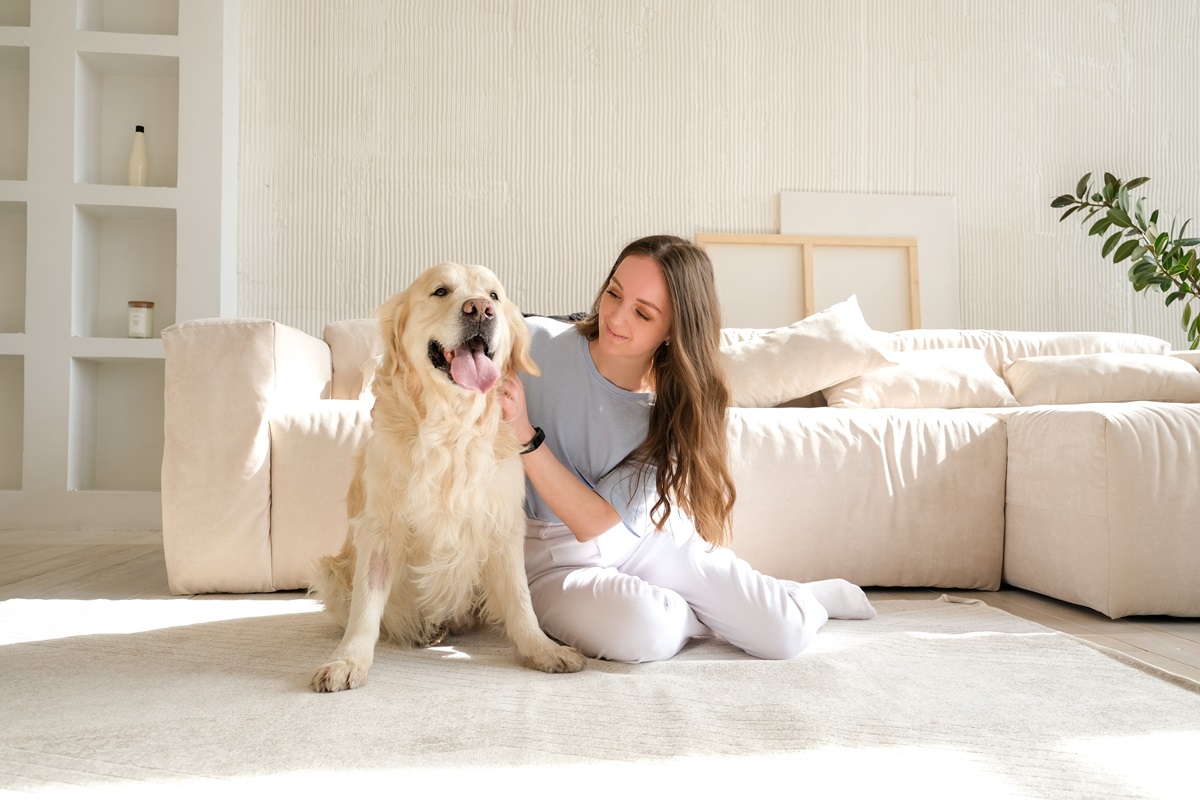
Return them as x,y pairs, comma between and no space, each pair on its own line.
807,245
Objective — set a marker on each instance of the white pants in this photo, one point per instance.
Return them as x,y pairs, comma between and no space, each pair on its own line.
627,599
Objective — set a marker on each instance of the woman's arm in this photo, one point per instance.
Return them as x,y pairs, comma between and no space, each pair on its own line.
584,512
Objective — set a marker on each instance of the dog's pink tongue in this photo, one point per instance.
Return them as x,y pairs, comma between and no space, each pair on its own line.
471,369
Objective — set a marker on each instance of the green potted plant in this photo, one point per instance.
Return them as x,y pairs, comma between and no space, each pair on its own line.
1161,258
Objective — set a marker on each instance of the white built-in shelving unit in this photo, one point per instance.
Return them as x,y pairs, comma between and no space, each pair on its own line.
81,404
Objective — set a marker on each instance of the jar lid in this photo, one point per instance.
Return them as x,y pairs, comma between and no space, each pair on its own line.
141,304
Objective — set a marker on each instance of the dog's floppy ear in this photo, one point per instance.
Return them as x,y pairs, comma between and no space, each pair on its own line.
520,359
393,316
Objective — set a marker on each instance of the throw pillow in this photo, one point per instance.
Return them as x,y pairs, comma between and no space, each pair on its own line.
1190,356
941,378
805,357
1102,378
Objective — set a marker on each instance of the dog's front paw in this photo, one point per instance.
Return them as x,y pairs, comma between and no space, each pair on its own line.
338,675
558,658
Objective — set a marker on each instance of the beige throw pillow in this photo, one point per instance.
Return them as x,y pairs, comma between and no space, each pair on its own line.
1190,356
941,378
805,357
1102,378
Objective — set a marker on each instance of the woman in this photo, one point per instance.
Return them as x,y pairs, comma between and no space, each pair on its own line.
629,494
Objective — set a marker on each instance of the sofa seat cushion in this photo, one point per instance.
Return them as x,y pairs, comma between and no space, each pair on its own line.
880,497
1116,531
313,447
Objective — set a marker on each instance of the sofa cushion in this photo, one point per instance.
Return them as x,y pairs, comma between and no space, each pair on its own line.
313,448
1000,347
880,497
351,343
1101,378
1190,356
1116,531
949,378
820,350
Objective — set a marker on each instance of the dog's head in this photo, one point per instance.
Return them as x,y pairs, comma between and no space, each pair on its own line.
454,329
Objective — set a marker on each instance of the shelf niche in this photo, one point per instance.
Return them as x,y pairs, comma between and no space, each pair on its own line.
14,13
14,122
115,93
129,16
13,237
12,416
116,439
122,253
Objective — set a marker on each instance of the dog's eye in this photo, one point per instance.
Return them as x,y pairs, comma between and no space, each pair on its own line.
494,296
440,291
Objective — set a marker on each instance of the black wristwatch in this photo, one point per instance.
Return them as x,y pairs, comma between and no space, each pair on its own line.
539,436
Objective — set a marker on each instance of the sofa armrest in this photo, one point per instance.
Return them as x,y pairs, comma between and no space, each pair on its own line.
221,378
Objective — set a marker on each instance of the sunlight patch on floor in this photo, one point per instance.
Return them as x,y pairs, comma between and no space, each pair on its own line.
1158,763
835,770
43,620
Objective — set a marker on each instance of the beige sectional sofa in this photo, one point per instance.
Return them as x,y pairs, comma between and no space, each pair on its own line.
913,462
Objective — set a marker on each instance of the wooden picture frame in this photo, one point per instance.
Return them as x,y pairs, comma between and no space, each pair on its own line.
807,247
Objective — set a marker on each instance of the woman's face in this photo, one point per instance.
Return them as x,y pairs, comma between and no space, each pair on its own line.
635,309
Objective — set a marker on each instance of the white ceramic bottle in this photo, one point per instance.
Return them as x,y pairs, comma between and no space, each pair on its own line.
137,158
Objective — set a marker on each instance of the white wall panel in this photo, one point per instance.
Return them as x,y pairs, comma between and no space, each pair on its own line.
537,136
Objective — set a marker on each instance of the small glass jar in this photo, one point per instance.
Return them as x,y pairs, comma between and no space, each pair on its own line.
141,319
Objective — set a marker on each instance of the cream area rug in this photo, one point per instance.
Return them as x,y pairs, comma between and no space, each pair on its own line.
936,698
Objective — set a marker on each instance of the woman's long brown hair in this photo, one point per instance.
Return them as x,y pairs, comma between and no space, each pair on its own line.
687,442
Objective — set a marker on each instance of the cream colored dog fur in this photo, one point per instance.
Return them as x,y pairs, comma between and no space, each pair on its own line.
436,533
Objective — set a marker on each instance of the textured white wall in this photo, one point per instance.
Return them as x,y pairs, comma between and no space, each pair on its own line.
538,136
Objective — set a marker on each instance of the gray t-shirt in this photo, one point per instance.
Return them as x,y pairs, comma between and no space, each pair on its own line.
591,425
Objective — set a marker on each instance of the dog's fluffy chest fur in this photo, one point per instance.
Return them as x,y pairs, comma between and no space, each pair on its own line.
458,491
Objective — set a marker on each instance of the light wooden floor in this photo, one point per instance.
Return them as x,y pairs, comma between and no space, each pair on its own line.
125,565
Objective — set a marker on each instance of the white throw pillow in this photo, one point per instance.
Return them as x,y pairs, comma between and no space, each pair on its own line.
941,378
1190,356
805,357
1102,378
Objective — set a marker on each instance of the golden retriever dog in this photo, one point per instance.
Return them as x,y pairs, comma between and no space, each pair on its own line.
436,534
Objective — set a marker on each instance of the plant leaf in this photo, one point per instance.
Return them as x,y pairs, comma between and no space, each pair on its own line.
1124,251
1062,200
1081,188
1110,244
1120,217
1100,226
1136,182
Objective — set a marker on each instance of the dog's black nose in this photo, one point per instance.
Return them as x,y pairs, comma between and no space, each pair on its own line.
479,308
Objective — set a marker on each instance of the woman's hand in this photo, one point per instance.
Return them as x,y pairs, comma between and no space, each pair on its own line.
512,406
